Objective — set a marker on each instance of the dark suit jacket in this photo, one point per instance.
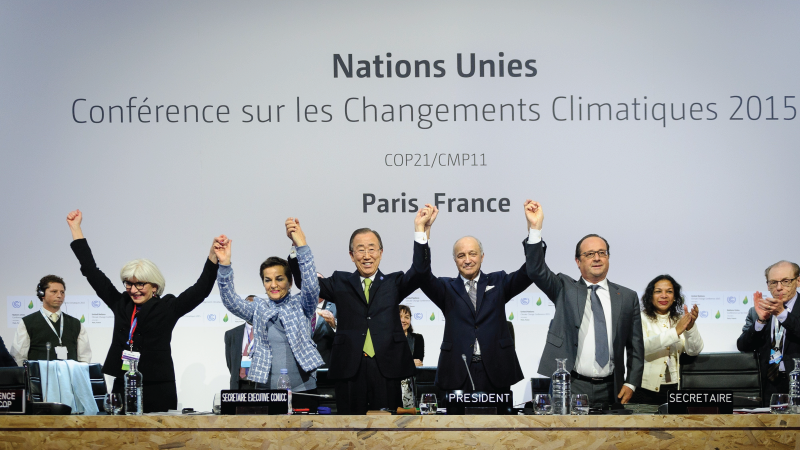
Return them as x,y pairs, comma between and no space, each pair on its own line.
156,319
323,334
6,360
233,353
463,324
569,297
761,342
381,316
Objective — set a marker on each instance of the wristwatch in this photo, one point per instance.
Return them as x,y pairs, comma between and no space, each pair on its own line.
763,322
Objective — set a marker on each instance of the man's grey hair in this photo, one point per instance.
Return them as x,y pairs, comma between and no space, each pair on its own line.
795,267
459,240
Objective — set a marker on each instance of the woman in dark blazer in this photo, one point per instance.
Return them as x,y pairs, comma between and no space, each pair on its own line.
417,344
155,317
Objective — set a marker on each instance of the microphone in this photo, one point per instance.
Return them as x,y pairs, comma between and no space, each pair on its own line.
313,395
47,383
464,357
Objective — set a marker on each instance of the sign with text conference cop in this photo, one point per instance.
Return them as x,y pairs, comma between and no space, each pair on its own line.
531,307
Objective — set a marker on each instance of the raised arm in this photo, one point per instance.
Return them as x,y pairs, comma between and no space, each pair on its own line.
544,278
201,289
516,282
238,306
309,290
421,262
102,286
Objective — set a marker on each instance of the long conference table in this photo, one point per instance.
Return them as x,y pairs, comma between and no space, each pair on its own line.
429,432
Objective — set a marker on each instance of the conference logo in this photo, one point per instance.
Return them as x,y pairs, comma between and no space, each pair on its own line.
225,319
211,317
524,301
744,302
433,317
83,319
418,316
717,316
30,305
703,314
16,304
731,300
95,303
539,302
511,316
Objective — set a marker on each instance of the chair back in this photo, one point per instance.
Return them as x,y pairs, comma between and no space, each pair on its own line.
96,378
738,372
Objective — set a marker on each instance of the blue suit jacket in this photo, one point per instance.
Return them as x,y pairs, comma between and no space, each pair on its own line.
463,324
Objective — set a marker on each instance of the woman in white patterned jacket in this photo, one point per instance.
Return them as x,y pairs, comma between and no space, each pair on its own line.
281,323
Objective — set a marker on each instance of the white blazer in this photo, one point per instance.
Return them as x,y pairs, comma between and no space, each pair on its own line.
663,347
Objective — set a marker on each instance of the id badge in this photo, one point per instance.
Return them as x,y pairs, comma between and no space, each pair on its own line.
129,356
775,356
61,352
246,362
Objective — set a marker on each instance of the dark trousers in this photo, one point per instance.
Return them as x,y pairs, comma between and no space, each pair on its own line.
368,390
481,379
644,396
779,386
601,395
156,397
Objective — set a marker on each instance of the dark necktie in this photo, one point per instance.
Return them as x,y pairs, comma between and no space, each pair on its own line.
600,331
473,294
369,349
774,369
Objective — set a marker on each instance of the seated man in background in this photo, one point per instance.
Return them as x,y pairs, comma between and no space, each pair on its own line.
238,347
772,329
67,335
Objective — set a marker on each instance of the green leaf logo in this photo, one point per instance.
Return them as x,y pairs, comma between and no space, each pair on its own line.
225,319
744,302
83,319
717,315
511,316
433,317
539,302
30,305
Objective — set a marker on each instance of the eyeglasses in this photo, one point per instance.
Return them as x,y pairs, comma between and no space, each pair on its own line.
590,255
786,282
139,285
362,252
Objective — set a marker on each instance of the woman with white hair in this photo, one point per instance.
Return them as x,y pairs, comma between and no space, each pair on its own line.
143,318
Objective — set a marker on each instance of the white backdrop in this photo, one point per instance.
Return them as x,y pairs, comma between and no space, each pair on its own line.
708,199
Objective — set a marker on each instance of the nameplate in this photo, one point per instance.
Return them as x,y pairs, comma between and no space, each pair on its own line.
458,401
254,402
12,401
699,401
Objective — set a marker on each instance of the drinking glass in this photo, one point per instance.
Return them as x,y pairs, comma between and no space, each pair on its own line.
580,404
779,404
112,403
542,404
428,404
216,406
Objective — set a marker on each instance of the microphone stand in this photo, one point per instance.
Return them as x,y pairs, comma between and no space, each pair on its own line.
464,357
47,383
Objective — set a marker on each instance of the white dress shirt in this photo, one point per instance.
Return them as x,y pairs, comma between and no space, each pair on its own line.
787,308
585,363
248,328
22,341
662,350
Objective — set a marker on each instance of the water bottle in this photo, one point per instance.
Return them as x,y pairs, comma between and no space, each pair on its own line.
794,387
561,388
285,383
133,390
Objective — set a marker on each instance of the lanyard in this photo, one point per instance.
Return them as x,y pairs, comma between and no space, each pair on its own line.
777,334
250,343
134,320
50,322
